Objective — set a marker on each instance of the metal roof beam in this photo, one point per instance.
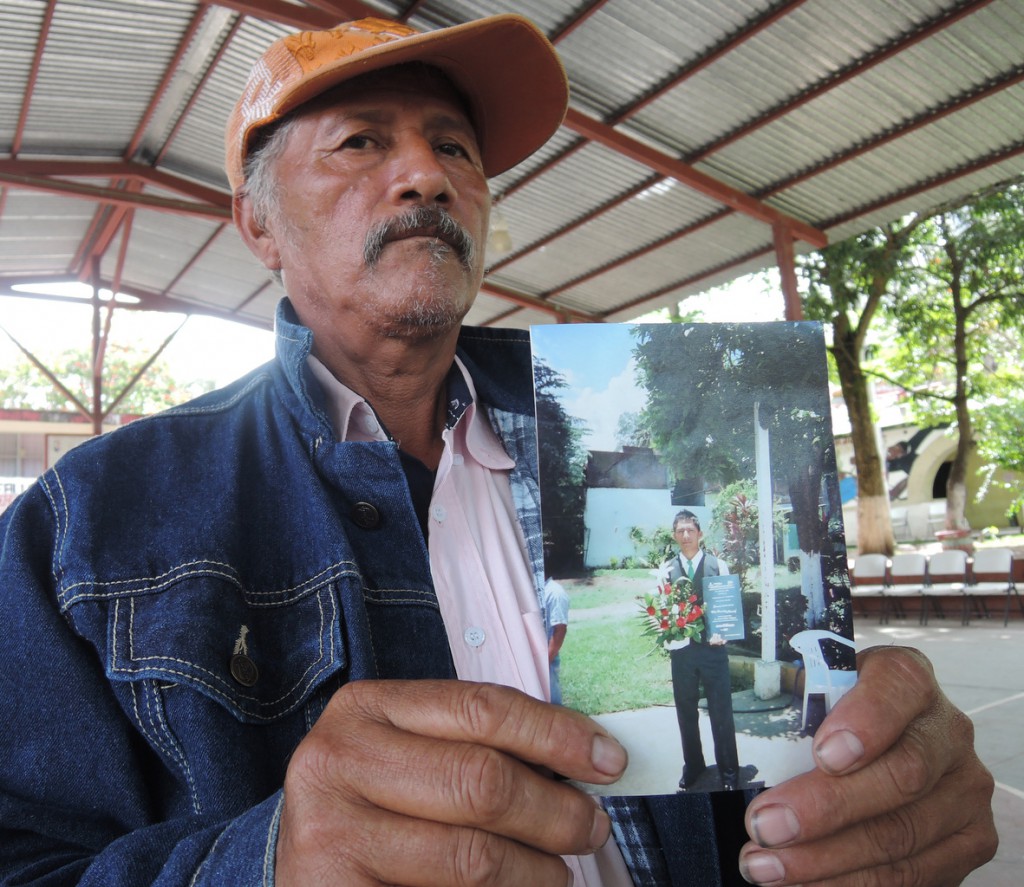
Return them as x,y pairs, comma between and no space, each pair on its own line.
857,67
115,197
577,19
196,256
690,281
33,77
687,175
938,112
147,301
301,18
524,300
927,30
1007,152
30,85
113,169
579,222
733,41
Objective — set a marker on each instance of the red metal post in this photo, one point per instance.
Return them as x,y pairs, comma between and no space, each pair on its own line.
786,260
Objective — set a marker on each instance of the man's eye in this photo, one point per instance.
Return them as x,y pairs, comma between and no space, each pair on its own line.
357,142
452,149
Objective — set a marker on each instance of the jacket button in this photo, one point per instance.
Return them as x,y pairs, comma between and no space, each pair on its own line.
365,515
244,670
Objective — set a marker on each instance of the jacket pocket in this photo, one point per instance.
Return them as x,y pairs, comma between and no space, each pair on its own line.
261,661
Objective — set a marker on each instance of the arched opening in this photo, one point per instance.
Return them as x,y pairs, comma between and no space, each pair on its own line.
941,479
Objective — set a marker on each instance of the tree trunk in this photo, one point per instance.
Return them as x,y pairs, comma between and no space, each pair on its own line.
956,485
874,522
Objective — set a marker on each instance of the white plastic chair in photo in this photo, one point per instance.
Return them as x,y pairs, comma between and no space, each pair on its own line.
831,683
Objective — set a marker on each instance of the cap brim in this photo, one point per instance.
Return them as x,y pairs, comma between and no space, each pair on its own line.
505,68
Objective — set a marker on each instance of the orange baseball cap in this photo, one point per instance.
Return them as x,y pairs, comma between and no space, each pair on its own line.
504,66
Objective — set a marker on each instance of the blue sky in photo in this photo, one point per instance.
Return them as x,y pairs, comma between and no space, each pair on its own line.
595,352
596,361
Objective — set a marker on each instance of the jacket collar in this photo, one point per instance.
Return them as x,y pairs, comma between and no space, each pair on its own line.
498,361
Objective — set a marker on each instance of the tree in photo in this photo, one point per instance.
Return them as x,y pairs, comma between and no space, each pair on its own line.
703,381
562,461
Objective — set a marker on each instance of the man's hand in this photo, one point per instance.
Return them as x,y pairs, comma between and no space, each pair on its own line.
441,782
898,795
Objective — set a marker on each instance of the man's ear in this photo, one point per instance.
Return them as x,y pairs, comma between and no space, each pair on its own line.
261,241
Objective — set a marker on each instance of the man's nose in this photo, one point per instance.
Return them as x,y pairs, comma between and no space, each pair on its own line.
420,176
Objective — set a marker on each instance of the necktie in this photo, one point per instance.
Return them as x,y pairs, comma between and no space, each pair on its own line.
689,569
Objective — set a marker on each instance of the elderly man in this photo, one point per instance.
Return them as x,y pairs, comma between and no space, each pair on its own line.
199,610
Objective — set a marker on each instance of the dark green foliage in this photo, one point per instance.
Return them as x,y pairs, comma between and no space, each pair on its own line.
562,462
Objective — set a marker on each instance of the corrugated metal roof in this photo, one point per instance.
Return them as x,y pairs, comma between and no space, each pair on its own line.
838,114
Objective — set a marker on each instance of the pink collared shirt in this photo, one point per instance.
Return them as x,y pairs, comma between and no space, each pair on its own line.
480,567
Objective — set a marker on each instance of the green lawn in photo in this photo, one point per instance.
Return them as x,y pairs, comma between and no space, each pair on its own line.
607,663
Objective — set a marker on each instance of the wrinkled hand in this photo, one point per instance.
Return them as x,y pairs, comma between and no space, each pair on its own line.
441,782
898,795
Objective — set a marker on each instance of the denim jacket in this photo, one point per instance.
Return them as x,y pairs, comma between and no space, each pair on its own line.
180,598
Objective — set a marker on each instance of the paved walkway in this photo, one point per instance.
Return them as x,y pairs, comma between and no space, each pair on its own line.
981,669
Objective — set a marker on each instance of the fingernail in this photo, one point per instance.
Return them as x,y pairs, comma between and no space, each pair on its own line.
762,868
608,756
839,752
775,825
600,830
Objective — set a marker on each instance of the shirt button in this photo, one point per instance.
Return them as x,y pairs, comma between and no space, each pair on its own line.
474,636
244,670
458,459
439,513
365,516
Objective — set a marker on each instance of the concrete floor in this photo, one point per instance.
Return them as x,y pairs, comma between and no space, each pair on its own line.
981,669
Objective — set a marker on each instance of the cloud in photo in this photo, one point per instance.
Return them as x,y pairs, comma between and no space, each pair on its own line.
601,409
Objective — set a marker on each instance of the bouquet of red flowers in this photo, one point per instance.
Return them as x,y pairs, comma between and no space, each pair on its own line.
671,613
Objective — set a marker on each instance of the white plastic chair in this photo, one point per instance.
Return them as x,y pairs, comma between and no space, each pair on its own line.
832,683
947,577
907,573
992,573
870,573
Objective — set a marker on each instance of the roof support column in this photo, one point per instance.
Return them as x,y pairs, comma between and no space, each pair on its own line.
786,259
97,358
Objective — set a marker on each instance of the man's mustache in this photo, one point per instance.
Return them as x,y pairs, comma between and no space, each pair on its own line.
426,221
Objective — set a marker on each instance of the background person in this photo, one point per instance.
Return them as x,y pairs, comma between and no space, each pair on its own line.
556,608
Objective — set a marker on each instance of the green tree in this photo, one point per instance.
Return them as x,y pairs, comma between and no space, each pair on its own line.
630,431
702,382
959,329
736,515
705,384
848,286
24,386
1001,445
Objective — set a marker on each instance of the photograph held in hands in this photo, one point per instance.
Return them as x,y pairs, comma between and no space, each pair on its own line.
692,519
